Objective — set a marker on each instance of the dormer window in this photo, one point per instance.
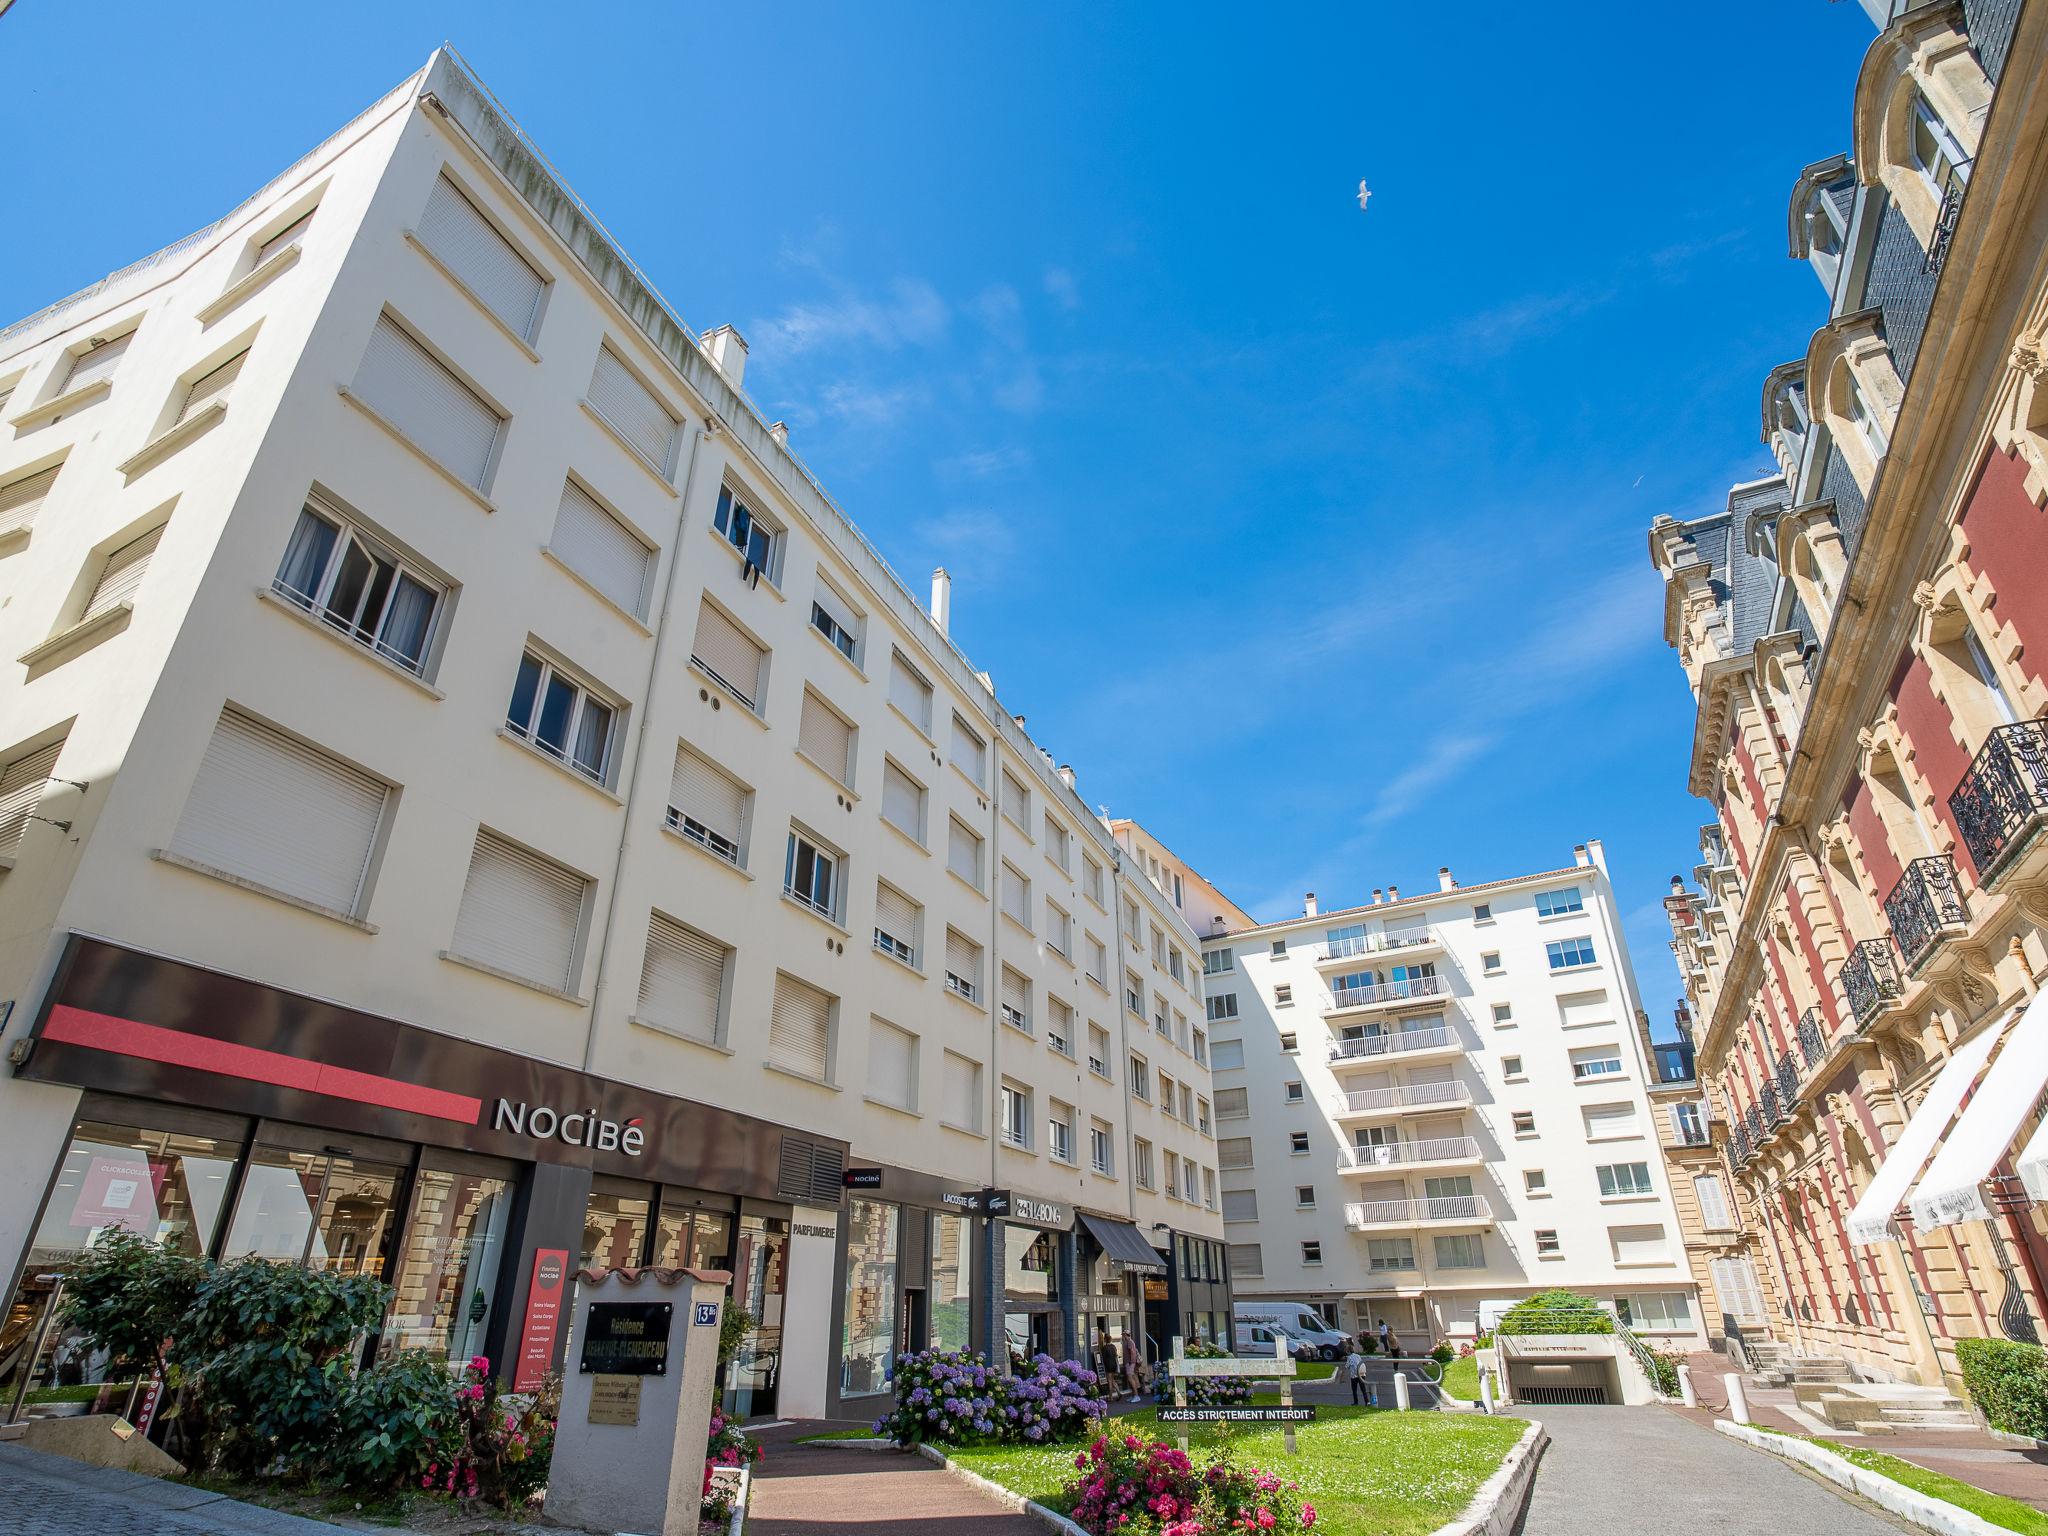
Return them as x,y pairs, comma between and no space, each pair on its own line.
1825,238
1936,155
1864,420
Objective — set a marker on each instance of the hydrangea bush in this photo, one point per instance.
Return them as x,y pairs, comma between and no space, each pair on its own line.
957,1397
1130,1486
1204,1391
725,1446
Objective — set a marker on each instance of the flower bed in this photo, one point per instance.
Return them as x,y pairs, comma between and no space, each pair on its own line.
1204,1391
957,1397
1129,1484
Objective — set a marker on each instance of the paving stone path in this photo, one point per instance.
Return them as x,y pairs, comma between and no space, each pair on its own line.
820,1490
43,1495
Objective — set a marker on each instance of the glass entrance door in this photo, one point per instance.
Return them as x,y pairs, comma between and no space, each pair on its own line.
760,1283
447,1274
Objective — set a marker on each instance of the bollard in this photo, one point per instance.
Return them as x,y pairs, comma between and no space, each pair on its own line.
1401,1391
1486,1391
1738,1405
1686,1395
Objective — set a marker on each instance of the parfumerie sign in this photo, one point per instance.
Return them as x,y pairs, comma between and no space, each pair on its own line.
577,1128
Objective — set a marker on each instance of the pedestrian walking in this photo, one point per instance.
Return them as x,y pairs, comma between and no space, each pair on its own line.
1132,1365
1354,1372
1387,1341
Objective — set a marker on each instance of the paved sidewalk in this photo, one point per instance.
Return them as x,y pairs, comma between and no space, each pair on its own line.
823,1490
1637,1469
43,1495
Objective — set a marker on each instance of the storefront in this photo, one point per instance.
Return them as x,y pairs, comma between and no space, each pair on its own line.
1199,1290
1116,1262
230,1118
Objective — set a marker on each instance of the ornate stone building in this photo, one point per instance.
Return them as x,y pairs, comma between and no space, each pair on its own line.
1864,633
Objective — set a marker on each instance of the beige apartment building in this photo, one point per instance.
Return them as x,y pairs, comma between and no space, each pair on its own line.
473,806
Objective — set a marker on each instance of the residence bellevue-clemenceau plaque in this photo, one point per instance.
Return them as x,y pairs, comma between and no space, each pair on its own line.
627,1338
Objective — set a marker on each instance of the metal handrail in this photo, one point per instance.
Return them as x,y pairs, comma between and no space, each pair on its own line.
1406,1154
1406,1096
1364,1213
1392,1044
1376,944
1389,991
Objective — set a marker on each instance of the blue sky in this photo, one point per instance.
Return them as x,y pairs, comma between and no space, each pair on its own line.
1313,538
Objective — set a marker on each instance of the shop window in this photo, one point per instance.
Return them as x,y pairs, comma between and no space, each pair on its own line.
950,1298
615,1224
316,1209
867,1352
446,1283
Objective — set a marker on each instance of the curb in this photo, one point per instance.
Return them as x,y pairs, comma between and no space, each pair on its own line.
1923,1510
1497,1507
1015,1502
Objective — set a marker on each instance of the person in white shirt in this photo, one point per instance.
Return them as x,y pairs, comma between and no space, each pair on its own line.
1354,1372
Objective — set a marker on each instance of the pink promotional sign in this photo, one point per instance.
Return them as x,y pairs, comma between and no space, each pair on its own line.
119,1191
543,1318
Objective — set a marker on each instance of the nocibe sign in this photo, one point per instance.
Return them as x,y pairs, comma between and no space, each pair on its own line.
577,1128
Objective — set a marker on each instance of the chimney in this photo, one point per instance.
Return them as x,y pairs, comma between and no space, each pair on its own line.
942,600
1598,852
1308,905
1677,886
728,350
1579,855
1067,774
780,432
1393,893
1377,895
1444,882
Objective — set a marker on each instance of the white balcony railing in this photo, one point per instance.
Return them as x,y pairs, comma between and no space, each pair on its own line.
1409,1096
1394,1044
1409,1154
1376,944
1401,989
1462,1210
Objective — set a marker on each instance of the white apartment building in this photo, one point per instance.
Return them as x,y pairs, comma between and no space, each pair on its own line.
472,807
1429,1102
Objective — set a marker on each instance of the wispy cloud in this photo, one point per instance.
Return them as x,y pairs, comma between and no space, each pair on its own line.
870,405
1442,759
970,541
911,314
983,464
1061,288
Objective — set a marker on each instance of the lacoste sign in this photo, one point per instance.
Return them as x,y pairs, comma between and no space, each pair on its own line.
578,1128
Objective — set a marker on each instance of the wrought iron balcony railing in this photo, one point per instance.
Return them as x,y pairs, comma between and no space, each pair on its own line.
1813,1040
1788,1081
1774,1112
1870,979
1397,990
1925,906
1436,1037
1743,1145
2003,799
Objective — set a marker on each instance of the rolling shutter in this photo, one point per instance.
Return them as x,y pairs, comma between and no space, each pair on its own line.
909,692
1225,1056
1016,798
824,738
705,794
1234,1152
799,1028
963,958
1240,1205
122,574
970,752
1610,1119
902,801
21,791
276,812
1246,1260
960,1092
632,409
23,498
520,913
601,549
1575,1008
1638,1245
723,649
963,854
1016,995
836,608
211,386
1015,900
99,362
896,915
471,247
1232,1103
405,383
892,1060
290,235
681,980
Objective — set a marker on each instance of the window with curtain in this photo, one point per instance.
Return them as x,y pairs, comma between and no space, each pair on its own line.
559,714
352,582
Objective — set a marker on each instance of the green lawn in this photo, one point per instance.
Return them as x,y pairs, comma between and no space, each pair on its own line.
1461,1378
1304,1370
1996,1508
1367,1472
838,1434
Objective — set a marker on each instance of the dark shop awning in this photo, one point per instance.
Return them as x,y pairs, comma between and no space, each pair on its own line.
1121,1240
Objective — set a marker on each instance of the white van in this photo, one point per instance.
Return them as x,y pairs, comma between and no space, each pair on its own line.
1255,1341
1298,1320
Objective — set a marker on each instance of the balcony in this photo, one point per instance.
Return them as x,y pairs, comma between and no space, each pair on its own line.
1870,979
1387,994
1364,946
1788,1082
1925,907
1430,1152
1430,1211
1409,1099
2003,799
1407,1044
1742,1145
1775,1111
1813,1040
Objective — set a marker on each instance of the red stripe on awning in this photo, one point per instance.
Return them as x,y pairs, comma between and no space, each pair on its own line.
175,1048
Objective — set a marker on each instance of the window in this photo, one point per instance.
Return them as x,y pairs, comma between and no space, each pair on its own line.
1209,1192
1689,1123
1014,895
960,1093
1166,1100
909,692
1134,994
1216,962
1735,1284
1383,1254
1534,1182
521,914
1059,1025
1222,1006
800,1029
1201,1114
1655,1311
1059,1132
1624,1179
729,654
739,522
1292,1092
1482,912
1936,154
1058,843
826,737
1304,1196
1141,1162
1511,1066
963,852
1140,1079
1016,1000
1524,1122
1174,965
1297,1142
425,400
897,920
1460,1251
708,806
591,541
1098,1050
1240,1205
264,808
903,802
832,616
1234,1152
682,981
1575,1009
1059,929
892,1065
1098,960
350,581
1202,1047
560,715
1158,947
1489,962
22,784
1503,1013
1311,1252
21,499
1246,1262
1596,1061
469,245
210,386
1101,1149
1170,1184
1638,1245
1016,802
1608,1121
1226,1055
1547,1243
1283,995
1016,1115
1232,1103
96,362
1091,879
970,752
1279,948
963,966
121,575
1557,903
1159,1025
1131,921
1566,954
288,238
810,875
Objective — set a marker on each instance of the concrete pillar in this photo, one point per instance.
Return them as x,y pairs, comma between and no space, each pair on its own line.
1401,1390
1738,1404
1486,1390
547,1213
996,1348
1686,1395
1070,1299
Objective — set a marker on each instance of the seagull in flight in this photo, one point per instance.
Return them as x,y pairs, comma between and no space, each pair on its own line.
1364,195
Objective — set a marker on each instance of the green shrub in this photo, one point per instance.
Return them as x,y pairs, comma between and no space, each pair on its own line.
387,1421
1443,1354
128,1296
2009,1382
1557,1312
1665,1369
